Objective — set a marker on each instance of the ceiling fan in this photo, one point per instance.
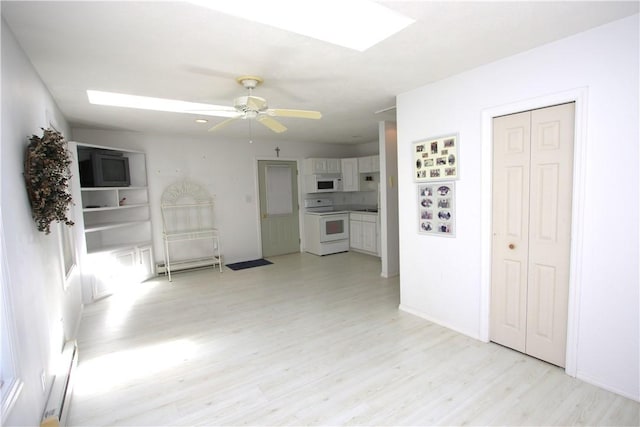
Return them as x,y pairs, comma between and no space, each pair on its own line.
254,107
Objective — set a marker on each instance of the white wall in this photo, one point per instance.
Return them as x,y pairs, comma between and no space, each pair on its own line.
226,168
441,278
45,314
366,149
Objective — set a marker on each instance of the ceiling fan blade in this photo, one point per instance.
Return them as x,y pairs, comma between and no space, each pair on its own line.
301,114
223,124
272,124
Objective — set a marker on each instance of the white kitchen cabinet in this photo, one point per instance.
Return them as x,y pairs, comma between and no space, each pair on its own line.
369,164
355,233
363,232
350,175
360,173
321,166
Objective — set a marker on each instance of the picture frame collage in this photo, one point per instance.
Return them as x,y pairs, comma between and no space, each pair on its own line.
436,205
435,167
436,159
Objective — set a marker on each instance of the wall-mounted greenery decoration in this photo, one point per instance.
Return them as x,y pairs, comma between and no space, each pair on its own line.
47,175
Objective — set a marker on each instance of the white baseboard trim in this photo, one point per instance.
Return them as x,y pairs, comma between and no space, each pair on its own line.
431,319
580,375
588,379
388,275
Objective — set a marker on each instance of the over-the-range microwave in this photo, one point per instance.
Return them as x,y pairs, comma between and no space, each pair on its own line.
322,183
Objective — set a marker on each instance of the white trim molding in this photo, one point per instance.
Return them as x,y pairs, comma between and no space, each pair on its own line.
11,383
438,322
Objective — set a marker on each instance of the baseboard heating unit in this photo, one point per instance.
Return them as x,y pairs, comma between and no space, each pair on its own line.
191,264
57,409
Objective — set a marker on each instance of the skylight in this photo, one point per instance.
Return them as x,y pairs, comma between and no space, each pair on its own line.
355,24
158,104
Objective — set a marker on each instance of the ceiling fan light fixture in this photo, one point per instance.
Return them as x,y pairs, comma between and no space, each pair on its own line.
250,82
355,24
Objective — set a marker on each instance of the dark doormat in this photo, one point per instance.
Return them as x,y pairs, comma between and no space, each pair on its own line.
249,264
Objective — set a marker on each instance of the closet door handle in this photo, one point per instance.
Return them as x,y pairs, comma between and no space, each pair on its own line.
512,246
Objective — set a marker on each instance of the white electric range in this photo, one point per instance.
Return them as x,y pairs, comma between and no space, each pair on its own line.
326,229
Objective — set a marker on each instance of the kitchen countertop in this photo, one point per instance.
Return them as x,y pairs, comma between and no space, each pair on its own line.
346,210
326,213
365,210
358,208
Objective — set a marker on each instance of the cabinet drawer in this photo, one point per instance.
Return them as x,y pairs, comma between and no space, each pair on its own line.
363,217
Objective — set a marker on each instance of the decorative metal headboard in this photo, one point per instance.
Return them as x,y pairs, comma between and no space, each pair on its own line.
186,207
185,192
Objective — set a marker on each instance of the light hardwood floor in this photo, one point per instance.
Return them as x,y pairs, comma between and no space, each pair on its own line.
308,341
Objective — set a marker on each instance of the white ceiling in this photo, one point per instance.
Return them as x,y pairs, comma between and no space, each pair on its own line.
182,51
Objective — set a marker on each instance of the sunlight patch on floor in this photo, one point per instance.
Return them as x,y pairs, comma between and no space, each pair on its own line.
110,371
124,299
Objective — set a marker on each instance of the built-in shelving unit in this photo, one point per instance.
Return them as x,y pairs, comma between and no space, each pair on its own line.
117,224
116,217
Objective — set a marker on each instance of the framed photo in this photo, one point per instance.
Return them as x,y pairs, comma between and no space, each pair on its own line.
436,159
436,209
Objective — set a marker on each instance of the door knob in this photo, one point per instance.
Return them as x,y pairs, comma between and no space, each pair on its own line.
264,216
512,246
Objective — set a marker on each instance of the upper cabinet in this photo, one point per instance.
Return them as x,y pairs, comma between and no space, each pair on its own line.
321,166
350,175
369,164
360,173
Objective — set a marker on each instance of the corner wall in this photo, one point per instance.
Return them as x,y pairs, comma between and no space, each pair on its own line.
45,314
441,279
389,198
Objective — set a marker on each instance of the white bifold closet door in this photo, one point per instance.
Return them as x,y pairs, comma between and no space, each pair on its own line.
532,192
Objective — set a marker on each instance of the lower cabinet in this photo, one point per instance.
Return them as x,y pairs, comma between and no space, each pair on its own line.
146,267
114,270
363,232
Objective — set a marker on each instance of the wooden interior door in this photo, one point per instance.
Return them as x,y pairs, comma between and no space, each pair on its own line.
532,193
279,222
552,131
510,256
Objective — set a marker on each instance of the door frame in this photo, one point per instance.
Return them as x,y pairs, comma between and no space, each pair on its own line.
256,196
580,97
